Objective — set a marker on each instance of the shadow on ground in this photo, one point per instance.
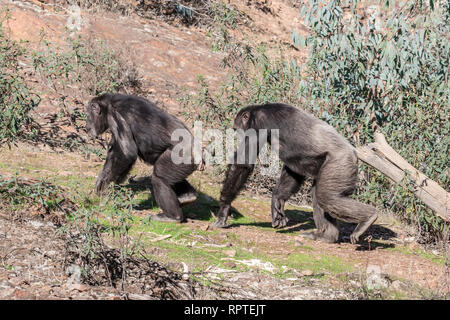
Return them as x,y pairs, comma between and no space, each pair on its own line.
204,208
298,220
301,221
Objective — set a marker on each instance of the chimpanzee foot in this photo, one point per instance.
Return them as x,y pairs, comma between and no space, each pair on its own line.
361,228
163,218
354,238
187,198
308,235
279,219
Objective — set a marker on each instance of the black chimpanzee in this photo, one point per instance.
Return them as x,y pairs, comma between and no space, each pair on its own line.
140,129
308,147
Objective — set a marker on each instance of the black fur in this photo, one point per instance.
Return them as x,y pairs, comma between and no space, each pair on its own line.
308,147
140,129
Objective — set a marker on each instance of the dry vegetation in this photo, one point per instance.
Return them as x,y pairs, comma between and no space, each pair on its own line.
58,240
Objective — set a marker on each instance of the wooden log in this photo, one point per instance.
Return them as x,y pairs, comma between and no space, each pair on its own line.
385,159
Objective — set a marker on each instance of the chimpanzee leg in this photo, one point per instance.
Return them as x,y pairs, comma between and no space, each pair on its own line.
236,177
116,168
185,192
335,183
288,185
327,228
166,175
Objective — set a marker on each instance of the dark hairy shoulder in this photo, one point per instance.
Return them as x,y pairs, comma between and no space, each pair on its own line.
269,107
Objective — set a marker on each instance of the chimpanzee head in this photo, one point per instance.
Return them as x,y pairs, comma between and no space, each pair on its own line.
96,117
242,120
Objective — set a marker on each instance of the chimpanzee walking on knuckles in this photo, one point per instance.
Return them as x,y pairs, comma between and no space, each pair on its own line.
140,129
308,147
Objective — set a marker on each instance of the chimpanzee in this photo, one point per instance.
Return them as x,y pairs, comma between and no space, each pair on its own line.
308,147
140,129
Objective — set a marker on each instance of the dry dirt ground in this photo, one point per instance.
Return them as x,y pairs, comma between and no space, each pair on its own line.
248,260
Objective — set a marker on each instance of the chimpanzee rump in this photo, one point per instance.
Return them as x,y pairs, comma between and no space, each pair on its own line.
307,147
140,129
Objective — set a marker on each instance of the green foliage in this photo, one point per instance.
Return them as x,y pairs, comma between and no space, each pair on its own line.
213,111
91,224
17,193
390,75
86,63
16,98
223,17
186,12
361,75
257,78
225,14
119,213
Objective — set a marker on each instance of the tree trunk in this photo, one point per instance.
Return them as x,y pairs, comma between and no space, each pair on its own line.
382,157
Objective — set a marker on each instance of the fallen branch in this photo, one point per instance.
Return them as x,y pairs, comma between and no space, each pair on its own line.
163,237
385,159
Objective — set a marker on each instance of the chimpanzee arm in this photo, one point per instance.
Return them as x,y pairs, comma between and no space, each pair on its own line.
122,153
237,175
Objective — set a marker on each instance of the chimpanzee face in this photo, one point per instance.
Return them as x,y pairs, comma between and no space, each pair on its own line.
96,121
242,120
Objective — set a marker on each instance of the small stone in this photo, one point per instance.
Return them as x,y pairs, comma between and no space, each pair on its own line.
20,294
397,285
298,243
376,281
74,271
230,252
306,273
78,287
284,269
230,264
46,289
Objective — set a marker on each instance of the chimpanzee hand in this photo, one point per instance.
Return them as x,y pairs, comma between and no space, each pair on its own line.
101,185
222,216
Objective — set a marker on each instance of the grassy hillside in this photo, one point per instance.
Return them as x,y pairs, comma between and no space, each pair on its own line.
360,66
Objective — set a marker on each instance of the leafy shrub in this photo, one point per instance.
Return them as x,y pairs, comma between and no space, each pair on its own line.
81,69
359,77
257,78
92,223
16,98
190,12
34,197
88,64
390,75
122,6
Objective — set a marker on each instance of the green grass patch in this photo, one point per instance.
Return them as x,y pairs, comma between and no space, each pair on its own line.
427,255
